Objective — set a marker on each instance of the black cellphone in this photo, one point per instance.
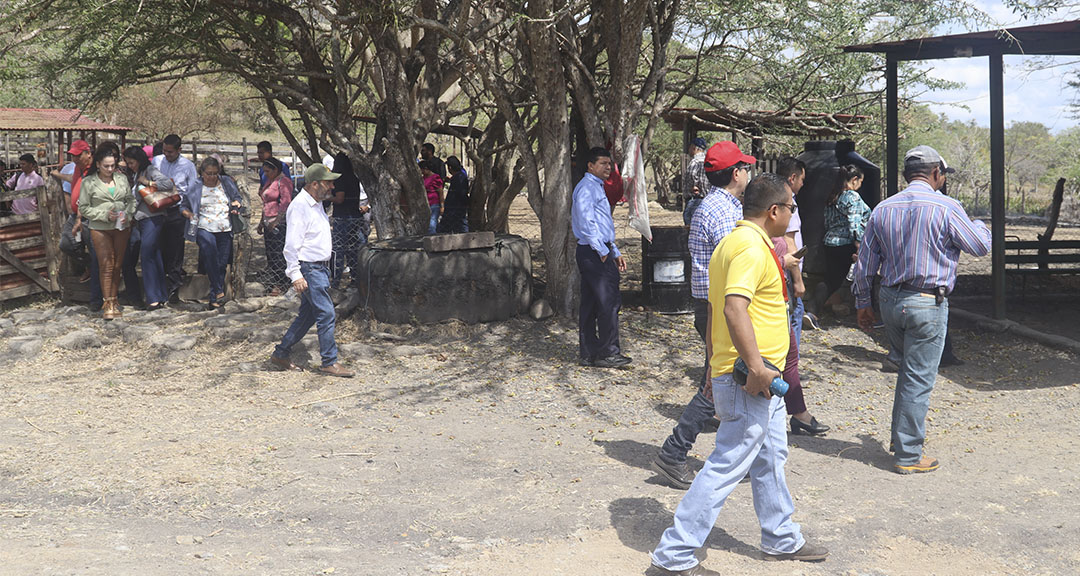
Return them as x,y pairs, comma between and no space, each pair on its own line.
800,252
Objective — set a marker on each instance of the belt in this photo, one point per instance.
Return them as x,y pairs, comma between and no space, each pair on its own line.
938,292
319,263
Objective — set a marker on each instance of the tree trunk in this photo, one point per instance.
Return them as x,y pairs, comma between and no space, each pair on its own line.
554,146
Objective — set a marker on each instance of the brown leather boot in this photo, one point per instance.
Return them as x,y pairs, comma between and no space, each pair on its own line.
108,310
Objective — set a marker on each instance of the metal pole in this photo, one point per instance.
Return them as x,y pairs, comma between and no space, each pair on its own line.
997,183
892,127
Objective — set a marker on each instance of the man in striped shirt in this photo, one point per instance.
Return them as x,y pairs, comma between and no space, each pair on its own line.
914,239
728,171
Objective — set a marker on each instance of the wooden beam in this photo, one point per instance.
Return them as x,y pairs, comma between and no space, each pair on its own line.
997,184
21,267
892,127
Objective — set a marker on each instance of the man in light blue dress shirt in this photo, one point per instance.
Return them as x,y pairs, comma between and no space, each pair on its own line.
599,262
182,171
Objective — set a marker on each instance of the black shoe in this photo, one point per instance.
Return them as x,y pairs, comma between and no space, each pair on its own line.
814,428
587,362
155,306
679,475
696,570
613,361
808,553
950,360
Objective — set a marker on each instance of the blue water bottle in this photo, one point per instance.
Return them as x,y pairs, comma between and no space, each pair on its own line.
739,373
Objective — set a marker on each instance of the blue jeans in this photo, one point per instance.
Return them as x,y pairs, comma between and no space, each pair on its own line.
348,235
316,307
752,438
131,260
433,224
215,251
153,270
700,409
688,210
915,325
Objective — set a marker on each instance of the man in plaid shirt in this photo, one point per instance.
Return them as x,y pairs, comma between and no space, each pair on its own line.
695,186
727,171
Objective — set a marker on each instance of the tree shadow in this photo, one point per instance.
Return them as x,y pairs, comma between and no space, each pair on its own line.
868,450
640,522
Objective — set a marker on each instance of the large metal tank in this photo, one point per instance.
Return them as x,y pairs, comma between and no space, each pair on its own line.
823,159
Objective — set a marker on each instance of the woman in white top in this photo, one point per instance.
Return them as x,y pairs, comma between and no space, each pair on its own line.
208,205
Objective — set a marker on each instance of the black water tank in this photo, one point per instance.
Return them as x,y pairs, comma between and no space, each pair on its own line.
821,170
871,185
665,278
823,159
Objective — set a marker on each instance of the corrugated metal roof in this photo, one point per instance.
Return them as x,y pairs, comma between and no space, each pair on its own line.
47,119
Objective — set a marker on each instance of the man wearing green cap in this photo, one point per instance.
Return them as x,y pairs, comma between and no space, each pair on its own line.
307,252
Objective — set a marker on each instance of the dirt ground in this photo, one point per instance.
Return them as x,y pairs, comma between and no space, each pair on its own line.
486,450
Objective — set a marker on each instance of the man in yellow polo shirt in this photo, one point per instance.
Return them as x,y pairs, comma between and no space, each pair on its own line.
748,320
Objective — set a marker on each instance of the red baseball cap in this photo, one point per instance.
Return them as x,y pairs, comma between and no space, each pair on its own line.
78,147
724,155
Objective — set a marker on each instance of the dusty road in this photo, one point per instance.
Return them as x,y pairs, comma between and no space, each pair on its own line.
486,450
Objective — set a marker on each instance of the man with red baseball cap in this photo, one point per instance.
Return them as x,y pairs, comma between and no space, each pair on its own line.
728,170
82,155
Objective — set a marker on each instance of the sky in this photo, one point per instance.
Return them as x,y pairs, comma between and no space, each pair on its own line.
1037,96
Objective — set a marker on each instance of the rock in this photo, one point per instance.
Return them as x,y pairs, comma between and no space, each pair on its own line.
237,333
25,346
284,303
116,327
7,327
249,305
264,335
254,289
185,539
173,341
466,241
541,310
45,329
357,350
326,408
349,302
204,555
138,333
406,350
402,284
181,357
25,316
80,339
222,320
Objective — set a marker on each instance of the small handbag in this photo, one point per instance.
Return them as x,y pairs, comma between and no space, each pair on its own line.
157,201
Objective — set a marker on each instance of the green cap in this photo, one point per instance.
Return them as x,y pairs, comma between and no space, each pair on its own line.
319,171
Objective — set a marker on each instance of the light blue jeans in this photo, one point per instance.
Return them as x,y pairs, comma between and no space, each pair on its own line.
752,437
915,325
316,307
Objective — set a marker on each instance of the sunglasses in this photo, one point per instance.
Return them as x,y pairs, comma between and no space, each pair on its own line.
792,207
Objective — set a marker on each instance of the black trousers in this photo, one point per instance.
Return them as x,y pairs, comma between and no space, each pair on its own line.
837,263
598,321
172,249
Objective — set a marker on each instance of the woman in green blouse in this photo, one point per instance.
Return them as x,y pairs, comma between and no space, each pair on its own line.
106,201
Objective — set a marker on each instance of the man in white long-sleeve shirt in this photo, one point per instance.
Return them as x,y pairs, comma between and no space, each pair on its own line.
308,248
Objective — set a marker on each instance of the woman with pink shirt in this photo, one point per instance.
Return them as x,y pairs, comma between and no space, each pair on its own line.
433,183
276,195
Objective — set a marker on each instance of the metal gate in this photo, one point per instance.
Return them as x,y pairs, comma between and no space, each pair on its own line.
30,244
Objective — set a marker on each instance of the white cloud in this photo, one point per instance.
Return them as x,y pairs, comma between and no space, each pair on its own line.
1038,96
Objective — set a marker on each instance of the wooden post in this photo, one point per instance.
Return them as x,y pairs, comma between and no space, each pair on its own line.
892,127
195,151
997,184
243,154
